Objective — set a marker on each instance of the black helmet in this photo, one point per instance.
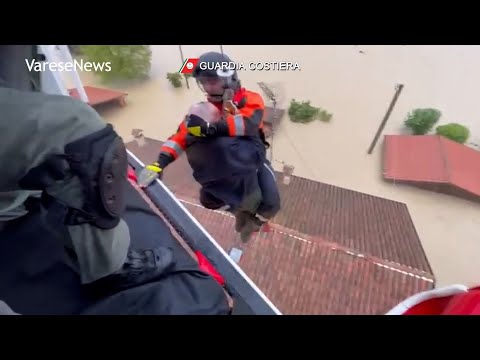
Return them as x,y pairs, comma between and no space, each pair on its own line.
215,65
14,72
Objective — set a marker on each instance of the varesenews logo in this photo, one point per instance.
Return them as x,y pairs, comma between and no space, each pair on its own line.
68,66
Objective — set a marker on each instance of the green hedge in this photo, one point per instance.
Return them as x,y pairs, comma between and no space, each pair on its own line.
454,131
304,112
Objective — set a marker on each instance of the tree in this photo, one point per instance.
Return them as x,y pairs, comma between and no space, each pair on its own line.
303,112
422,121
175,79
127,62
454,131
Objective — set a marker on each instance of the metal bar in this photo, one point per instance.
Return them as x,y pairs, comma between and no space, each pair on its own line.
55,79
238,283
398,90
183,60
65,52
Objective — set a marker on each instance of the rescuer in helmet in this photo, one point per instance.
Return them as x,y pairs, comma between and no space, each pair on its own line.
227,155
57,152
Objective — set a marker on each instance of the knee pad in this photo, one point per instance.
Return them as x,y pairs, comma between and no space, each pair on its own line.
100,162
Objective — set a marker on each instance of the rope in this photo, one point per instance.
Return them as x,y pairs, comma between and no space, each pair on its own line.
273,133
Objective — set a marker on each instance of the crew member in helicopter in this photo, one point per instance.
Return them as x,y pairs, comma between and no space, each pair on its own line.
74,169
226,147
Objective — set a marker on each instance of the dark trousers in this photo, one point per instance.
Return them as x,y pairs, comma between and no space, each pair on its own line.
267,181
270,203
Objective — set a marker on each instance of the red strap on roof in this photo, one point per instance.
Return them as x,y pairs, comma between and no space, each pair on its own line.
207,267
131,174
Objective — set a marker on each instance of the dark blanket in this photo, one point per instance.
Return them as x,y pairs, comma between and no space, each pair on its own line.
34,278
237,177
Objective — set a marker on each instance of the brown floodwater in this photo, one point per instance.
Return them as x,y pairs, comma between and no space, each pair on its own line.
356,85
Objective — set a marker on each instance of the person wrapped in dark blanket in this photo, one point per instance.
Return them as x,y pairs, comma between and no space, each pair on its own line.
75,236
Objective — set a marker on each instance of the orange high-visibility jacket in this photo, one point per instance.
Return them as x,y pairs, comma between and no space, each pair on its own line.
248,122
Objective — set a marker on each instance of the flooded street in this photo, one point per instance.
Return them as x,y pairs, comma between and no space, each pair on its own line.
356,85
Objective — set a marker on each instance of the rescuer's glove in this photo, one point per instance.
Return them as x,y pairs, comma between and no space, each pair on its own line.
149,174
200,128
153,171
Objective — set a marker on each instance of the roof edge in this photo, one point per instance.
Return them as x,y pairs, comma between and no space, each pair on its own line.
444,156
334,246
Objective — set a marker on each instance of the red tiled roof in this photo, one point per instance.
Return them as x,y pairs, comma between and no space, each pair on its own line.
332,251
306,275
366,223
431,159
97,96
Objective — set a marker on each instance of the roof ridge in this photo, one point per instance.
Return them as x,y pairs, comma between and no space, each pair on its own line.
318,241
444,156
